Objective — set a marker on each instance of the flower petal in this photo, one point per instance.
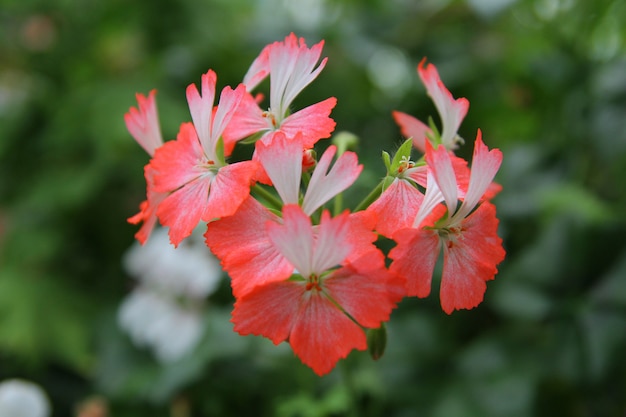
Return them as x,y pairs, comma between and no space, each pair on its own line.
396,207
230,187
325,184
201,108
282,160
294,239
259,69
412,128
471,260
414,259
451,111
143,123
323,334
366,290
270,310
441,167
485,165
292,68
243,247
313,122
332,245
183,209
176,162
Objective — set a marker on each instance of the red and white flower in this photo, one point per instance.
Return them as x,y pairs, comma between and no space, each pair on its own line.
322,308
468,235
291,66
201,185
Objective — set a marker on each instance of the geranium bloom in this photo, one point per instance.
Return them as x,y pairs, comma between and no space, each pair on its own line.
291,66
192,169
451,112
241,241
471,246
321,310
143,125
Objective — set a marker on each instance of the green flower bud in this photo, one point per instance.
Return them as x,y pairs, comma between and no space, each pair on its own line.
376,341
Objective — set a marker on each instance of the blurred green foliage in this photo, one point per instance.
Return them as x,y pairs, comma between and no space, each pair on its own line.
546,80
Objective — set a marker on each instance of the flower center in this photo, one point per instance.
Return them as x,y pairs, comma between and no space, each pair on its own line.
271,118
450,235
313,283
405,163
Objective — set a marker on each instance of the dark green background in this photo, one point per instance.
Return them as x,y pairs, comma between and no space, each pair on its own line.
546,81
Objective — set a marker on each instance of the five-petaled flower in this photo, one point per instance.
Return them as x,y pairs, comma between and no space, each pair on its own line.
291,66
322,304
471,247
201,185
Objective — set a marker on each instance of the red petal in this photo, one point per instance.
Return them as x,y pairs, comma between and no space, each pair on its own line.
397,207
182,210
269,310
241,243
412,128
323,334
366,290
148,208
471,260
247,120
313,122
414,259
230,187
175,162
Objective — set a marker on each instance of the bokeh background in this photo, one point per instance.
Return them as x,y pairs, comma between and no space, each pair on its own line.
546,81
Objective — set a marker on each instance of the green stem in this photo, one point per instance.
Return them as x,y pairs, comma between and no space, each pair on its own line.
338,204
371,197
270,198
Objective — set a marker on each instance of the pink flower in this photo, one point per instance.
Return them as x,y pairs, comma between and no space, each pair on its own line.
143,123
191,169
451,112
291,66
322,308
471,246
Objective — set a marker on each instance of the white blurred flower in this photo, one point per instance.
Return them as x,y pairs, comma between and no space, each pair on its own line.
189,270
20,398
164,312
158,322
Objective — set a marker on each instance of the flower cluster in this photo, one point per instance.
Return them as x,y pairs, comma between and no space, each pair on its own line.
300,273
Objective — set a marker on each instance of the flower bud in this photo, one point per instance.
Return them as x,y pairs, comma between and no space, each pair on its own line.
309,160
376,341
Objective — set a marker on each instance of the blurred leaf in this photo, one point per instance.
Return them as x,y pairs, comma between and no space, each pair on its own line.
40,319
611,289
574,200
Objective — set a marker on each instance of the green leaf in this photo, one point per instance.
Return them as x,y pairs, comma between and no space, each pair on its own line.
387,161
403,153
